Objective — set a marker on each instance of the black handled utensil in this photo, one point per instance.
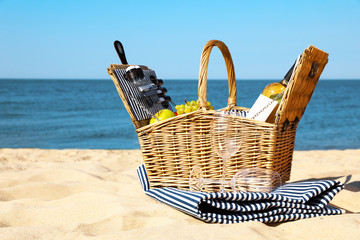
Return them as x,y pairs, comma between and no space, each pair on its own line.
120,51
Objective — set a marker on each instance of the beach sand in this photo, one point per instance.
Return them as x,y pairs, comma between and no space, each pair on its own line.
95,194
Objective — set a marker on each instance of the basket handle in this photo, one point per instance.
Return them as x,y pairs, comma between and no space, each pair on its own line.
204,62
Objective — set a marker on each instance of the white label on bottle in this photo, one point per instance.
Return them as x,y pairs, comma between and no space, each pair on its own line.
262,108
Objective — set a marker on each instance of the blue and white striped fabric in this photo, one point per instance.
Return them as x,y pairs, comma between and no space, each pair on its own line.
292,201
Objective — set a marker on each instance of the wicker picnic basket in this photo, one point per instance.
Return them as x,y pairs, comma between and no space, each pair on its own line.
171,148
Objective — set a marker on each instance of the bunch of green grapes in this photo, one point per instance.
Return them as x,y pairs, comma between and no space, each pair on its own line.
190,107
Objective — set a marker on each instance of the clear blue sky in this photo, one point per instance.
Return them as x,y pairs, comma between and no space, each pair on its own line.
74,39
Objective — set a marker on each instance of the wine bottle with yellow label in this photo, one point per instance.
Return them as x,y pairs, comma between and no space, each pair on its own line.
275,90
265,107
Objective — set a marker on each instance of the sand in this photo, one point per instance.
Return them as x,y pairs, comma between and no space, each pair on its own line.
95,194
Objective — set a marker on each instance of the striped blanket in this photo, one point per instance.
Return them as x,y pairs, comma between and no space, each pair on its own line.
291,201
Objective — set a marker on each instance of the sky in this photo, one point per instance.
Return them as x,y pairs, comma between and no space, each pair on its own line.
73,39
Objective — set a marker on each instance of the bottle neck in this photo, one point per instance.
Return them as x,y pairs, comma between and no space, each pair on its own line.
284,82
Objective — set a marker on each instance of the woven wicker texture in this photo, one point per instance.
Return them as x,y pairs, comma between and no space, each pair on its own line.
302,85
173,147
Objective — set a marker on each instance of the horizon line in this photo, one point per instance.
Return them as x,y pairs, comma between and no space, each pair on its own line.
175,79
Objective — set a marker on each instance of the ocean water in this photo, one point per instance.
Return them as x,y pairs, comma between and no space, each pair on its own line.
89,114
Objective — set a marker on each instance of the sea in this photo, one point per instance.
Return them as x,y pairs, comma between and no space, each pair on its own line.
89,114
